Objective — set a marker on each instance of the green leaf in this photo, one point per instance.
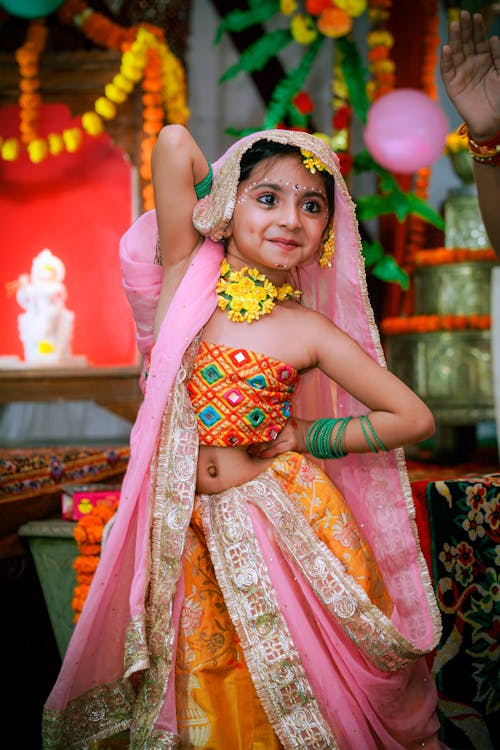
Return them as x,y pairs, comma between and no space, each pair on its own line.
387,269
400,204
383,266
371,206
355,76
421,208
290,85
297,119
372,252
240,133
364,162
239,20
258,55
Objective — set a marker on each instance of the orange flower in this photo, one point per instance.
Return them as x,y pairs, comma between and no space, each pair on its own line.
315,7
152,99
88,535
85,563
334,23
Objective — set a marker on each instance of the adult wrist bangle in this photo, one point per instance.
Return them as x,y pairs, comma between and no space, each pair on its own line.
484,152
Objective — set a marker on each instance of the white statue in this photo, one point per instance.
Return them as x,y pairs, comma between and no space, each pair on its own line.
46,328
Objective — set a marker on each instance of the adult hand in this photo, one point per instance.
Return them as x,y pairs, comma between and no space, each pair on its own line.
470,68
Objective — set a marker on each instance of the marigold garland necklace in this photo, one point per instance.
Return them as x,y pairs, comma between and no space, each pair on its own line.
247,294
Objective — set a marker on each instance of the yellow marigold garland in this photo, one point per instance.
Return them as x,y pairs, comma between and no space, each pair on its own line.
88,536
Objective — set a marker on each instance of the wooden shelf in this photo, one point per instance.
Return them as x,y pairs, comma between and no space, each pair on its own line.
114,388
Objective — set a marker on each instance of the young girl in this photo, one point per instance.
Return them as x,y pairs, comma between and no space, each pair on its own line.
248,596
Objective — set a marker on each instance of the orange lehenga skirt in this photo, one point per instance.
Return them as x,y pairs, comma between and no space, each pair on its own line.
217,704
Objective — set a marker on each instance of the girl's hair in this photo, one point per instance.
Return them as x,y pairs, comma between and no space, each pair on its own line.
264,149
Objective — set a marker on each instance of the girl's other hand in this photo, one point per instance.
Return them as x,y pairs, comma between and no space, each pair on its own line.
291,438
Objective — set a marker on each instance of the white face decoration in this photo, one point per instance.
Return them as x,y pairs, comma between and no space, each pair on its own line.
281,215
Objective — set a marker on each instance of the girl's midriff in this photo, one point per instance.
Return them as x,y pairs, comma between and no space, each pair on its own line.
221,468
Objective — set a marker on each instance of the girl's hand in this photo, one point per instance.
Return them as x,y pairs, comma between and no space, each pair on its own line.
291,438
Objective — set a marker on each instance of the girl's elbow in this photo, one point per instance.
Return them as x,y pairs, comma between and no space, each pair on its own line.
425,425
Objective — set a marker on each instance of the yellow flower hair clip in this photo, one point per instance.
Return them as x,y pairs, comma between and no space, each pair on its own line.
312,162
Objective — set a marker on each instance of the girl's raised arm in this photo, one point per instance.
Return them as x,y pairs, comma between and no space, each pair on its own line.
178,165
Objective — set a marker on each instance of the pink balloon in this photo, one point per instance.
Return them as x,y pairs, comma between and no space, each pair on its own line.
405,130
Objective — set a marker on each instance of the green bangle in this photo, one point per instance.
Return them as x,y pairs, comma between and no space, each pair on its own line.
319,437
369,442
203,187
377,439
338,448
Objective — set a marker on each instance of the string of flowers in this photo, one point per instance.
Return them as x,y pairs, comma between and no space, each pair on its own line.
88,536
416,227
441,255
153,117
393,326
28,58
380,42
342,115
144,51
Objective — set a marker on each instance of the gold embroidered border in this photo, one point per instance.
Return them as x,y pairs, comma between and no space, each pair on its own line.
372,632
136,647
162,741
274,663
99,713
173,485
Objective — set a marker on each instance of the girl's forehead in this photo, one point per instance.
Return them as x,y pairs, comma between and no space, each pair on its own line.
286,170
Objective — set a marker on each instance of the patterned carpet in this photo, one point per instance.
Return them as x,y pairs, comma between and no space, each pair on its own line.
458,517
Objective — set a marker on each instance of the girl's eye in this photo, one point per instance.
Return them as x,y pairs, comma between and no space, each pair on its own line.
312,206
268,199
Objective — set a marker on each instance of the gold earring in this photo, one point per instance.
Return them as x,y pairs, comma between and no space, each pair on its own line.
325,260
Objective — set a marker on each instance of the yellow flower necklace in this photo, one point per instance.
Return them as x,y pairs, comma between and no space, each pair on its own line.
247,294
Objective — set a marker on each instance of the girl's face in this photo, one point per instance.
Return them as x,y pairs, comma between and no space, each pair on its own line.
280,219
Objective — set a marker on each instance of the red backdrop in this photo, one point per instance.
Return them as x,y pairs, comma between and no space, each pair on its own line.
77,205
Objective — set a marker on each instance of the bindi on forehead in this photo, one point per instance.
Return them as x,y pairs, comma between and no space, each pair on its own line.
270,182
246,190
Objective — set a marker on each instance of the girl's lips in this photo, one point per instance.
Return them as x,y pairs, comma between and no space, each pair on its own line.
283,241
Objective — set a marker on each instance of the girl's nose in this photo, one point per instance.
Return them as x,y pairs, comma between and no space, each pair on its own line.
289,215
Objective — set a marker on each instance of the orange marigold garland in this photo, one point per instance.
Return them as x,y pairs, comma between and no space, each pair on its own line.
380,42
153,118
394,326
416,225
88,536
28,57
441,255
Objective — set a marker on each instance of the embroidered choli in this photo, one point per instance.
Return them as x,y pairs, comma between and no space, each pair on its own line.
239,397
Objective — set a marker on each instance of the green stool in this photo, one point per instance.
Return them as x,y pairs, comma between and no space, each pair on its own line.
54,550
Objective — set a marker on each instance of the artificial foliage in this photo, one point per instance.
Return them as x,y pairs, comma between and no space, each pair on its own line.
356,83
